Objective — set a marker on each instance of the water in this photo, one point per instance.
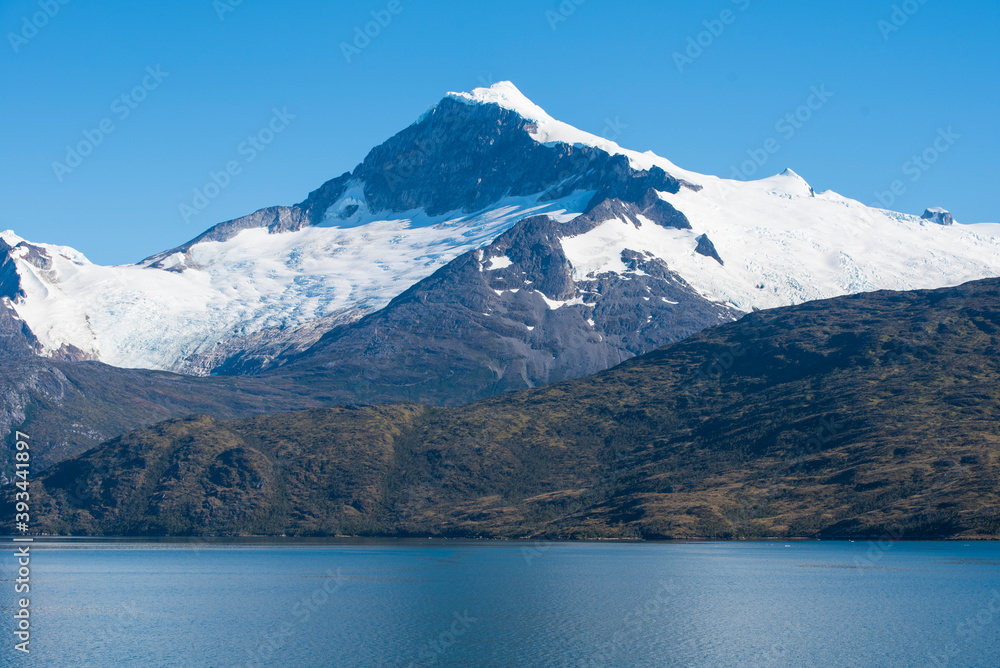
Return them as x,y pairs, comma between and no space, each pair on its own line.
409,603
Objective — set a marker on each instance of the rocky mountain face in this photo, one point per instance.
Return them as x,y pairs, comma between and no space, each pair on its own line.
939,216
504,317
16,338
511,316
458,158
872,415
486,248
251,293
468,157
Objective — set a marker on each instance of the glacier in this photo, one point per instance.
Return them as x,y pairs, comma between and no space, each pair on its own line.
780,243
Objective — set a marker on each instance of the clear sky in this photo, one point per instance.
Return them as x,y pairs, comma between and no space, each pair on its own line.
928,73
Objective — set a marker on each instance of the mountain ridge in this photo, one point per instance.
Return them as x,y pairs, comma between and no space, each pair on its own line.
465,172
794,422
333,302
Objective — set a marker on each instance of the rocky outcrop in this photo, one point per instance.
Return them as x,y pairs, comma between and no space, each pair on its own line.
707,248
939,216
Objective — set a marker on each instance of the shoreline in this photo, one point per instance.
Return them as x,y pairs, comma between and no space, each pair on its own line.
319,541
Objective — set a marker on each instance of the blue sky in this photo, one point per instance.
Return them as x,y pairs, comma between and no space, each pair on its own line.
199,77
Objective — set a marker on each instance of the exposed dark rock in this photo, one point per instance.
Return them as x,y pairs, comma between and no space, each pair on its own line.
939,216
662,212
707,248
16,338
10,280
462,157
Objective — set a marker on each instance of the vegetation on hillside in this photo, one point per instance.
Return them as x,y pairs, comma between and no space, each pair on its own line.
873,414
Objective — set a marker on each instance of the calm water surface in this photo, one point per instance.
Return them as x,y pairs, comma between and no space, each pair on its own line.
509,604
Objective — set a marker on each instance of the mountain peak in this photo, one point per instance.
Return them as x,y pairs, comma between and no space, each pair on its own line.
789,182
506,95
548,130
10,238
936,214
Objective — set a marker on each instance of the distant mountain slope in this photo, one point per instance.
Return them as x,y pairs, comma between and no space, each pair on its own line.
70,407
249,294
873,414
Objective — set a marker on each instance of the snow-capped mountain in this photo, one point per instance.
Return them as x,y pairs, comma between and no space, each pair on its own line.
559,226
164,312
